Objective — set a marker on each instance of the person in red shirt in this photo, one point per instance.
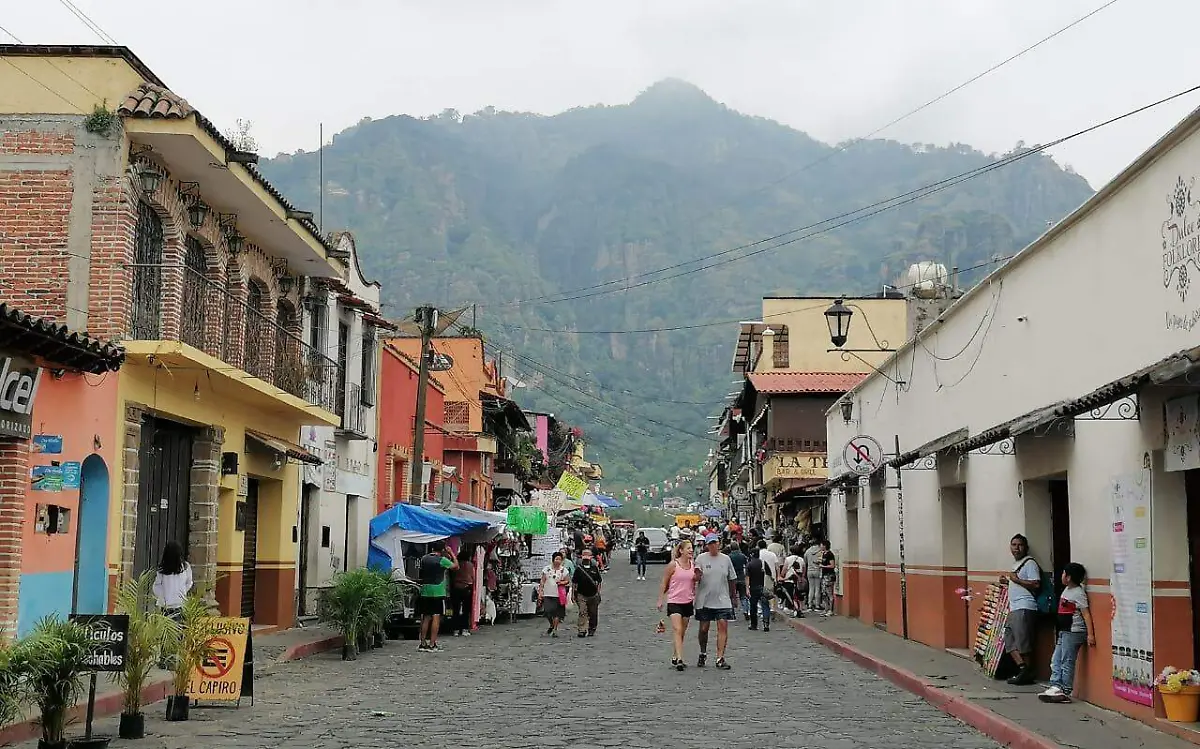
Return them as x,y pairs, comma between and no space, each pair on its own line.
735,530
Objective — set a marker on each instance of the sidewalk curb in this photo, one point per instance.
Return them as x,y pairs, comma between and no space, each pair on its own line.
305,649
980,718
106,705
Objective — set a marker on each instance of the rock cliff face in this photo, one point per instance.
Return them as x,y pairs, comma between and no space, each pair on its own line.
511,211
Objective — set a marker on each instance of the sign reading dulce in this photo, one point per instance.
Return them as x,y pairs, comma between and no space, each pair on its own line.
19,380
110,635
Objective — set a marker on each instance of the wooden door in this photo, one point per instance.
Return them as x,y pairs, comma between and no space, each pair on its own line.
250,549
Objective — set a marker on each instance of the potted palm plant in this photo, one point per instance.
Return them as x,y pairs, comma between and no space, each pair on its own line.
343,605
12,683
382,602
150,632
55,655
187,647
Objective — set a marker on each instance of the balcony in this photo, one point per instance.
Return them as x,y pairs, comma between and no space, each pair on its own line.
354,414
212,319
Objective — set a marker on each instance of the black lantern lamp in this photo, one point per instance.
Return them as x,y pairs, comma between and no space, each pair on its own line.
838,318
149,178
233,240
847,407
197,213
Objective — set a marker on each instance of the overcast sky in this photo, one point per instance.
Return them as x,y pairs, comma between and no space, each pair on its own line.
837,69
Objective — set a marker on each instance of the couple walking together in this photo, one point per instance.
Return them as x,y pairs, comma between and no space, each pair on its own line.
704,587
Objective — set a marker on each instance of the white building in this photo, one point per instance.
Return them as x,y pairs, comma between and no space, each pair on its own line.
1036,405
341,318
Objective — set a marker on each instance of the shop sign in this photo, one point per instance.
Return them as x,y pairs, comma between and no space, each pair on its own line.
1183,434
1180,234
19,380
219,676
795,466
110,636
329,467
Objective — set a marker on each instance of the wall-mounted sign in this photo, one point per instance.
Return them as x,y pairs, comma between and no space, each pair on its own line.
1180,237
47,444
439,362
110,635
243,485
863,454
19,380
46,478
1183,434
795,466
71,475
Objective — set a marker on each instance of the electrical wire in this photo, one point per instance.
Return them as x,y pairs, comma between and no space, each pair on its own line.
850,217
839,149
87,21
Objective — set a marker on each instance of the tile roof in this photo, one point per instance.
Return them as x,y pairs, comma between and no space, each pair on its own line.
805,382
155,102
56,343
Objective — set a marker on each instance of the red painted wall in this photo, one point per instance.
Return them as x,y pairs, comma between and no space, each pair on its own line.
397,414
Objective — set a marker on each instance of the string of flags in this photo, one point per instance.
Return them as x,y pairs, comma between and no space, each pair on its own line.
661,487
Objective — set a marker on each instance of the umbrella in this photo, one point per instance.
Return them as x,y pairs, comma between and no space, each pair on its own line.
712,512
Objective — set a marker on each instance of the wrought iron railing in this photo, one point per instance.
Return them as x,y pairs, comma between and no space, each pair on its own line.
215,321
354,414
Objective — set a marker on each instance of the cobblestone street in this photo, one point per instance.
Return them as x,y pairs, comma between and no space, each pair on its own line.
511,687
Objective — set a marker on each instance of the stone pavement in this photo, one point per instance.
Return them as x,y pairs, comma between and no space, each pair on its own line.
960,687
511,687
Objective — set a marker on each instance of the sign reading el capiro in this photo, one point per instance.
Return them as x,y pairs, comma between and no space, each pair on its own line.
219,676
19,380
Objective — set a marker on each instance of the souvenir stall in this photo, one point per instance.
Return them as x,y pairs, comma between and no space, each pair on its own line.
504,562
484,541
541,541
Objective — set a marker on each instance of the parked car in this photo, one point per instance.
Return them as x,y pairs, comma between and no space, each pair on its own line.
660,545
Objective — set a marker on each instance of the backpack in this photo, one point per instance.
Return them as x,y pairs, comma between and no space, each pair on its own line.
1046,592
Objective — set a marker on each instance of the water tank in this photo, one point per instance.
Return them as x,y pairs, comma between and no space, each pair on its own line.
925,280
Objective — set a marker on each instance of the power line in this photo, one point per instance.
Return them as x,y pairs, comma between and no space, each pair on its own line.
87,21
54,65
885,205
838,149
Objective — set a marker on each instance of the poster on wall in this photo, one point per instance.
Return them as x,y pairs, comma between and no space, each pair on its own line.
1183,434
46,478
1132,587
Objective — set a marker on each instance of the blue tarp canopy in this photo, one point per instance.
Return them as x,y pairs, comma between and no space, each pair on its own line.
608,501
415,525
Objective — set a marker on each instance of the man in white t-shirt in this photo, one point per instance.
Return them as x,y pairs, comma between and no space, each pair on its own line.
793,578
1020,630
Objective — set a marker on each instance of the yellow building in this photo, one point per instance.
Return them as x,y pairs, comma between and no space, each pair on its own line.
176,245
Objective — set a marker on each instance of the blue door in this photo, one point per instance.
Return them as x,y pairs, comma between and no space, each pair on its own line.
90,595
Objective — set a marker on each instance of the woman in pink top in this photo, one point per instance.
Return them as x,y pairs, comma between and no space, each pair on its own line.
679,588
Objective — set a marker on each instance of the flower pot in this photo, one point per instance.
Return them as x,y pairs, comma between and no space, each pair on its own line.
132,726
43,744
363,643
349,653
95,742
377,640
177,707
1182,706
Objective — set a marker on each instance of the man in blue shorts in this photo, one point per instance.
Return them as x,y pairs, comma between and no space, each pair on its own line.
716,596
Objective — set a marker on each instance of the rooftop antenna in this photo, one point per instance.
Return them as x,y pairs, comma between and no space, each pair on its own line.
321,179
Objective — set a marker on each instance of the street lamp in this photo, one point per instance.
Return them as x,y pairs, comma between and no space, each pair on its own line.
837,317
847,407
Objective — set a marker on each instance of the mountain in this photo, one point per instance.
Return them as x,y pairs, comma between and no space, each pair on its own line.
496,208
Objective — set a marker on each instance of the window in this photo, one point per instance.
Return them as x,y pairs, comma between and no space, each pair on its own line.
779,352
147,275
368,366
458,416
252,346
343,353
195,296
316,330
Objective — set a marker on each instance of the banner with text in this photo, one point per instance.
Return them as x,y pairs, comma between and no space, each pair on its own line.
1132,588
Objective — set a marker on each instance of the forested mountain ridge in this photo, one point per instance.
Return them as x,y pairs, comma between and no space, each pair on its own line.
497,207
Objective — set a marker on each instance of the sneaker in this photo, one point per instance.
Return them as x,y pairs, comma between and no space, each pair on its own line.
466,634
549,630
1051,691
554,633
582,634
458,634
423,648
591,633
436,649
722,665
700,661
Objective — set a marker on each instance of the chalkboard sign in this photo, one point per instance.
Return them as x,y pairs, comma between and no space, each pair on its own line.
110,634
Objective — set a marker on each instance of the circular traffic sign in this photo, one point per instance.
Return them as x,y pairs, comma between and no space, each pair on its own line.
862,454
220,660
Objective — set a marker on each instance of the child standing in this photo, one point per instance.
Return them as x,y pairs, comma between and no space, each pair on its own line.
1074,628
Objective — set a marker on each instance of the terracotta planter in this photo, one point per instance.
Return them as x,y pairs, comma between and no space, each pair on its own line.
1182,706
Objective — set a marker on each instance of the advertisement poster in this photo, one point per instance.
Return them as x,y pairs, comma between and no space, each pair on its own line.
110,634
571,485
1183,434
47,444
1132,589
46,478
70,475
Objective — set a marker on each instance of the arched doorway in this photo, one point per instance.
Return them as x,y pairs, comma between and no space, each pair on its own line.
89,590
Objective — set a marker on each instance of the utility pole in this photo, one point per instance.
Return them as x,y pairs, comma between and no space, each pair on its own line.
903,565
427,318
